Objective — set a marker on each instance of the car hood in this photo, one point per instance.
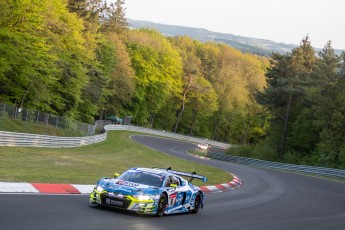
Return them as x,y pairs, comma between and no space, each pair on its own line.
126,187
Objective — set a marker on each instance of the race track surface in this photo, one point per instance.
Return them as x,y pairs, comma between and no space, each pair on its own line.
268,200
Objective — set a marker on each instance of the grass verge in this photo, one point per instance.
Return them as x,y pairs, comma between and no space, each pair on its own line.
12,125
87,164
198,152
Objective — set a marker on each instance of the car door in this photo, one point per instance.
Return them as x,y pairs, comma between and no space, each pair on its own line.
176,192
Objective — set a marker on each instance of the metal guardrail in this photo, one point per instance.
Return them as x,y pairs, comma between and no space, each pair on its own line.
310,170
33,140
166,134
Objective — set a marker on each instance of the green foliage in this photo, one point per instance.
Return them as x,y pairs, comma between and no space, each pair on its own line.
342,158
77,58
288,79
263,150
305,95
158,71
27,70
119,91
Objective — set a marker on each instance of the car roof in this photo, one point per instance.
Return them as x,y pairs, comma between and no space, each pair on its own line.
160,172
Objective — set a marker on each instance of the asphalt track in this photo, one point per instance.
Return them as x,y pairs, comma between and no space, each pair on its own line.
267,200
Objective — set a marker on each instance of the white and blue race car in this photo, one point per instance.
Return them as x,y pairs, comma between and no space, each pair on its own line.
150,191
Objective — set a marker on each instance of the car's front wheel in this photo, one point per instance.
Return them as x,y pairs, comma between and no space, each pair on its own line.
162,203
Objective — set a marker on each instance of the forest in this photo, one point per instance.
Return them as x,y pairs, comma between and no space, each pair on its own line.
81,59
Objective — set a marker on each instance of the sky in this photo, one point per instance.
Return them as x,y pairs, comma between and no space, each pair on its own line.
286,21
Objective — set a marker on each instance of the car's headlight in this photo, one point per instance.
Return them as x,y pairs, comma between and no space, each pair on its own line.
99,188
143,197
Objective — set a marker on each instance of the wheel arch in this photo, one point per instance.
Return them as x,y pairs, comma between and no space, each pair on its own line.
166,195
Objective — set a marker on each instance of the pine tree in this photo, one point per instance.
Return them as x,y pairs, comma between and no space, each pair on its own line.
89,10
116,20
288,79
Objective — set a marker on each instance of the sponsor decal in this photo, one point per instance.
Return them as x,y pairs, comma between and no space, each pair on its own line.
119,188
187,198
127,183
125,190
179,198
113,202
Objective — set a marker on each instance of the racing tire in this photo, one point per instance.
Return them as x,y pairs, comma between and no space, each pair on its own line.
162,203
197,203
94,205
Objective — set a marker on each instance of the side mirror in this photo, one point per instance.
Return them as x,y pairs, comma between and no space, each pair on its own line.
173,185
116,175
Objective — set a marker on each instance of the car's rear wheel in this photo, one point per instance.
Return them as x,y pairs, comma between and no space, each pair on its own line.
162,203
197,203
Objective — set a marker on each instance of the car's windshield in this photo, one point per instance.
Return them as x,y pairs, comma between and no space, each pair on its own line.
143,177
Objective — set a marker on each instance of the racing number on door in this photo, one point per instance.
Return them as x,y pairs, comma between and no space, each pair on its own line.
172,199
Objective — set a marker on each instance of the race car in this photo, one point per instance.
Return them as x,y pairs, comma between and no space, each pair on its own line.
151,191
204,146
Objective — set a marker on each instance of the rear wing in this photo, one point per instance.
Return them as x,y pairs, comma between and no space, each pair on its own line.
192,175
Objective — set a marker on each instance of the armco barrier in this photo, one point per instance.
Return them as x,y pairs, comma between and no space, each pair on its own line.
310,170
166,134
33,140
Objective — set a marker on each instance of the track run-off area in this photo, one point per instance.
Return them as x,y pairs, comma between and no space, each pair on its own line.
268,199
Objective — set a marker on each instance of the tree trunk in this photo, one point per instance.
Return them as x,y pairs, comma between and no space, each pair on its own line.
169,116
246,129
152,118
150,110
24,95
183,104
216,124
102,115
285,130
193,121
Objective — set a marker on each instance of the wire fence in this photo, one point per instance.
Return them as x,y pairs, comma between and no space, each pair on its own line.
30,116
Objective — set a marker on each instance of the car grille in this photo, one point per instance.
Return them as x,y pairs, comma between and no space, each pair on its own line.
116,202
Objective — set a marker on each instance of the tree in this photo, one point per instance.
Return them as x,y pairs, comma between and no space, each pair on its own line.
235,77
191,72
288,79
158,71
121,87
90,10
327,107
203,102
115,20
27,67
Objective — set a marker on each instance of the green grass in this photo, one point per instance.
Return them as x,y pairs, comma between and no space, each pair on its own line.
87,164
198,152
12,125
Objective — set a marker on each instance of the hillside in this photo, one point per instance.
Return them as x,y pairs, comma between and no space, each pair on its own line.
245,44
